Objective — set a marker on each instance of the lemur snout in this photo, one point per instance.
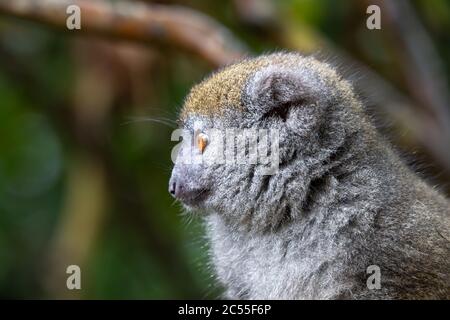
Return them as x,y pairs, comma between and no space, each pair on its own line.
176,189
184,192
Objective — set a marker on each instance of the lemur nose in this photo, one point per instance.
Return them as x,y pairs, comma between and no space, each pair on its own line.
177,188
172,187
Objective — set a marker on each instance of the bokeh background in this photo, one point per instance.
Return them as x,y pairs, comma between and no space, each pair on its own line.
86,117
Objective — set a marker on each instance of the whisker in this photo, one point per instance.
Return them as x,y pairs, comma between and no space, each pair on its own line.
167,122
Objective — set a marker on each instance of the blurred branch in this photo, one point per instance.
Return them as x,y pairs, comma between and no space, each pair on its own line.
167,25
421,63
423,71
255,13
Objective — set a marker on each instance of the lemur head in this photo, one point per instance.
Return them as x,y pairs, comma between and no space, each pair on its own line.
307,106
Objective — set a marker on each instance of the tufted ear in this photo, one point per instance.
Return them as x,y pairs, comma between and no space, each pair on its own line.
273,90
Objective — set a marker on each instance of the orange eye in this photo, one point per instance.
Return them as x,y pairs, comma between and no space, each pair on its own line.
201,141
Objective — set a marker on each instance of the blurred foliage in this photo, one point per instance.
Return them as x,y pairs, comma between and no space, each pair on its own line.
58,156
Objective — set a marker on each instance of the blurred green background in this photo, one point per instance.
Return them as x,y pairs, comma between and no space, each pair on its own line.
85,124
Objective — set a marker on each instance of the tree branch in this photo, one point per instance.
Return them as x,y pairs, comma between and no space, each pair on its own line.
175,26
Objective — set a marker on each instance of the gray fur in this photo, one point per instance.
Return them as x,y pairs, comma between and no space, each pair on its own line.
341,201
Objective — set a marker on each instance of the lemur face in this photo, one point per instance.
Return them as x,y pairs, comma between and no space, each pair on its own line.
280,101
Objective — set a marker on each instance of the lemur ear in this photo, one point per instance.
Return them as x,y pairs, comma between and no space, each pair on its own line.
276,89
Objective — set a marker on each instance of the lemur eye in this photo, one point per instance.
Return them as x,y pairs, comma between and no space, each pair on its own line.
201,141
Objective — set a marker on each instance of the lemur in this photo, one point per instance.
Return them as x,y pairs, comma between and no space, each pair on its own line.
341,200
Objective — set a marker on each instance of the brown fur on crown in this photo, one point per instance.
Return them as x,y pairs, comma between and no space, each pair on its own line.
222,90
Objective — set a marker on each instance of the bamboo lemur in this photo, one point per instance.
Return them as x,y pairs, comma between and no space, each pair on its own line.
341,200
